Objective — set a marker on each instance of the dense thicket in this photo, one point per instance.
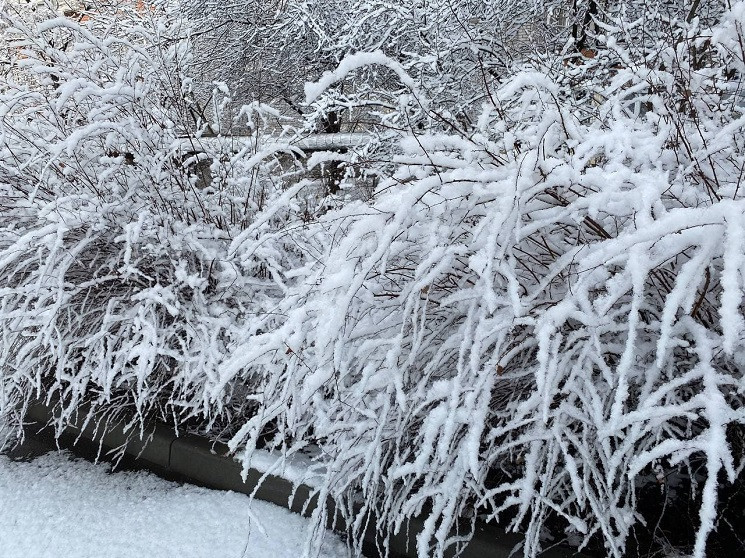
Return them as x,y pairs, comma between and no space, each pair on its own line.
535,317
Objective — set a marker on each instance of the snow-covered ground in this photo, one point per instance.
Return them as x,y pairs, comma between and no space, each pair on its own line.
57,506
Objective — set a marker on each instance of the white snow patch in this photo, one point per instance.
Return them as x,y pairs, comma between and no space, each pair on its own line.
55,506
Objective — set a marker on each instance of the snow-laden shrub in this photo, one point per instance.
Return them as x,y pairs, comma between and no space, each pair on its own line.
531,316
527,321
118,287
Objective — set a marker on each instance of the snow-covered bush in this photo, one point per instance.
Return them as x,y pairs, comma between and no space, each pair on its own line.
536,312
528,319
118,287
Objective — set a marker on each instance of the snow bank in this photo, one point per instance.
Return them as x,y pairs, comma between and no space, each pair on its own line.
58,506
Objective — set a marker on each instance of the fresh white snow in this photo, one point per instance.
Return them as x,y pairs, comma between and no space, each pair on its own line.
59,507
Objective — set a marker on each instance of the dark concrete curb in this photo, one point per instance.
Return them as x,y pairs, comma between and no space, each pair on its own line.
196,460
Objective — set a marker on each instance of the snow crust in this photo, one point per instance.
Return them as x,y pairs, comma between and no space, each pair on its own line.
57,506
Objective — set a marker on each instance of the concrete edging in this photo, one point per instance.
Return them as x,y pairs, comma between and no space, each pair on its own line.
202,462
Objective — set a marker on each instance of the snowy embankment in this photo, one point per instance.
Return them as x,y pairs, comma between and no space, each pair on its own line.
54,506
